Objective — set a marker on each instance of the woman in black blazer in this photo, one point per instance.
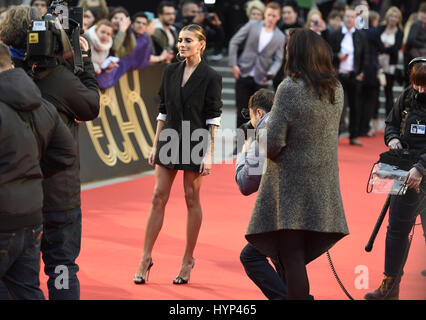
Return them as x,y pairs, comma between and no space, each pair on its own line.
391,36
190,110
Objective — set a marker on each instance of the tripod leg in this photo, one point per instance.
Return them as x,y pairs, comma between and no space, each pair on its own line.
379,222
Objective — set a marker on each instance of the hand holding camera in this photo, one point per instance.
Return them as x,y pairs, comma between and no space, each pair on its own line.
84,46
213,19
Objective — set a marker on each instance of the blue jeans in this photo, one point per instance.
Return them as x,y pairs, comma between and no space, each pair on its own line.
403,211
269,280
60,248
20,263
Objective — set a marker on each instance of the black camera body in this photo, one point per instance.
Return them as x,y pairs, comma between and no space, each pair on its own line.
245,127
49,45
74,13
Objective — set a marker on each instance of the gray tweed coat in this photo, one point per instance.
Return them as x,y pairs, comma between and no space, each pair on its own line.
300,189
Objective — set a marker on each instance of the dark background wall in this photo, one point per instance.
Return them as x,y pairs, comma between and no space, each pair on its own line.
134,6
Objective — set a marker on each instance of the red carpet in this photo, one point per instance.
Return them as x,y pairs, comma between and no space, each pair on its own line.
114,218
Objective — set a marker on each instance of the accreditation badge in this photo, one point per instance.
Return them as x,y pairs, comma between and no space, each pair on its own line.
418,129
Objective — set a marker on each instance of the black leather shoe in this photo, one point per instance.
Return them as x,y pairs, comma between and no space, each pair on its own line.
355,142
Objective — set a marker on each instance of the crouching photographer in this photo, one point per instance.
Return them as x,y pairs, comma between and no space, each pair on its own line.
249,168
405,131
74,93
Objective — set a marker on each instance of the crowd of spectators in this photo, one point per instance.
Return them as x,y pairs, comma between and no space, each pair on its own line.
372,42
121,41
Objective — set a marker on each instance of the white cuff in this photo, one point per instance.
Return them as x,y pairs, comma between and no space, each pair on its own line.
162,117
214,121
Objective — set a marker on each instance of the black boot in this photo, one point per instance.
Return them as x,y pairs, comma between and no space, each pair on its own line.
388,290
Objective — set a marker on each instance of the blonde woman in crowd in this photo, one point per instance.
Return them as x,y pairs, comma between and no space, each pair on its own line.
255,10
391,36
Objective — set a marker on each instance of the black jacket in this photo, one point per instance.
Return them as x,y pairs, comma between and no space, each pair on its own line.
22,143
374,46
392,50
75,98
408,101
198,101
416,37
361,53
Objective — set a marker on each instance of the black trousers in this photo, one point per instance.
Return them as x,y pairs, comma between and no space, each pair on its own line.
352,89
369,106
403,211
244,89
271,281
389,92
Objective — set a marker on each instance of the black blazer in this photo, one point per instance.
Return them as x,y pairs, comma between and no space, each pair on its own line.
360,46
393,50
198,101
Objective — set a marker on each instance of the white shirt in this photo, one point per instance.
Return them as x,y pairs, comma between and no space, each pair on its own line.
347,47
264,39
213,121
384,59
388,39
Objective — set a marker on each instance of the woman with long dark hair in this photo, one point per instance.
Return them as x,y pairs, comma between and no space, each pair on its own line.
190,100
298,213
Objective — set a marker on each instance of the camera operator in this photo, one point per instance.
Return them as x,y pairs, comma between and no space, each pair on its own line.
405,128
76,98
192,13
30,129
248,173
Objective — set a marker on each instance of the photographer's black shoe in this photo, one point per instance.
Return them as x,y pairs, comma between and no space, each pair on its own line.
386,291
355,142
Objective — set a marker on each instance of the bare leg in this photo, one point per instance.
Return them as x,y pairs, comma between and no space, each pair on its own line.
163,183
192,184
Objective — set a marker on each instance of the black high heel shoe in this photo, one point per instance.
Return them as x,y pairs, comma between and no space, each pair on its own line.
140,279
180,280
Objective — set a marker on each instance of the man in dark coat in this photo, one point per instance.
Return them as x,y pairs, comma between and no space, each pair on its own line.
76,98
30,129
350,58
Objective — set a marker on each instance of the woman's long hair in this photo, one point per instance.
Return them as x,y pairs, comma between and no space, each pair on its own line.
389,12
127,44
309,57
14,28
